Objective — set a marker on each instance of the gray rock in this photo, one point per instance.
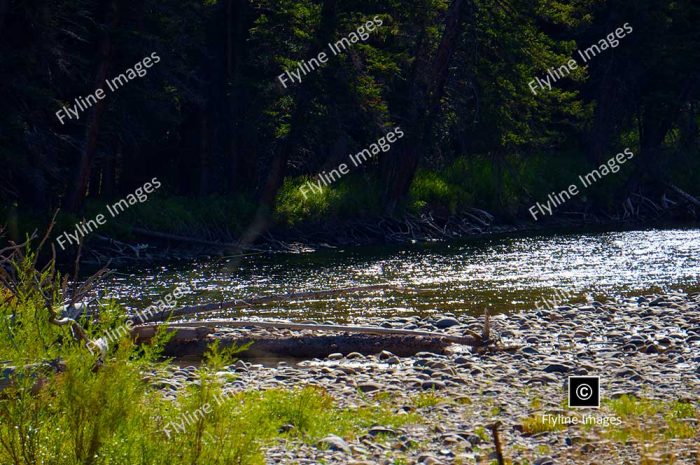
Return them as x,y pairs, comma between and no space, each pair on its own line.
446,322
544,461
286,428
543,379
369,387
472,438
427,459
335,443
652,349
375,430
556,368
432,384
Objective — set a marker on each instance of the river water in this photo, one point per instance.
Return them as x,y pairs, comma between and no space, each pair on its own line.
502,274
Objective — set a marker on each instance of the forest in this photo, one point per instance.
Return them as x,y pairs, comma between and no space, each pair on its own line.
100,96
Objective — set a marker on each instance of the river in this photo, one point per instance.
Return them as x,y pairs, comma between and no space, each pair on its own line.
503,274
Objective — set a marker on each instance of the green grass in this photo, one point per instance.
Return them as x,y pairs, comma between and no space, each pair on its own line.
504,185
428,399
535,424
642,420
645,419
352,196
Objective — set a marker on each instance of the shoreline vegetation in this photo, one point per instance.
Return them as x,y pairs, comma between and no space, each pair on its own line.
440,207
62,403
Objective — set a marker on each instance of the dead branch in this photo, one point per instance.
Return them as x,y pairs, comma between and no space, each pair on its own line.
497,442
685,195
193,240
44,281
486,332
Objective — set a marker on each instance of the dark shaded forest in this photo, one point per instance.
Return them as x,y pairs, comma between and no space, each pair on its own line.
232,145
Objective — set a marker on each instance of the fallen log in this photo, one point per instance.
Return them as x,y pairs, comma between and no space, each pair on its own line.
471,339
192,338
305,347
241,303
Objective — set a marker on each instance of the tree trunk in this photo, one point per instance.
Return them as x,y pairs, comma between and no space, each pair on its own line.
658,118
92,131
303,99
109,172
689,126
604,121
204,151
426,92
236,29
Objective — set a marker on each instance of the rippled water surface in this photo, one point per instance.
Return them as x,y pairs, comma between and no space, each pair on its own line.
501,274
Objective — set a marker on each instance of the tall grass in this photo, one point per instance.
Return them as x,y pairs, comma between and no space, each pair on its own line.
353,196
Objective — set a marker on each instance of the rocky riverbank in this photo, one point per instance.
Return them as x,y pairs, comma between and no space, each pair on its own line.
646,351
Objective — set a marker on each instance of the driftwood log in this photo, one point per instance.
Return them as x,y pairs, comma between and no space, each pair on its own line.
304,347
193,240
192,338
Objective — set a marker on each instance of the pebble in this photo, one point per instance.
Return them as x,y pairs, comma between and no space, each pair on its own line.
370,387
432,384
557,368
375,430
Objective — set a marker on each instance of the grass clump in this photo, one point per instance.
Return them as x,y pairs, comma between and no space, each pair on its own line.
645,420
428,399
293,206
381,414
309,413
538,423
